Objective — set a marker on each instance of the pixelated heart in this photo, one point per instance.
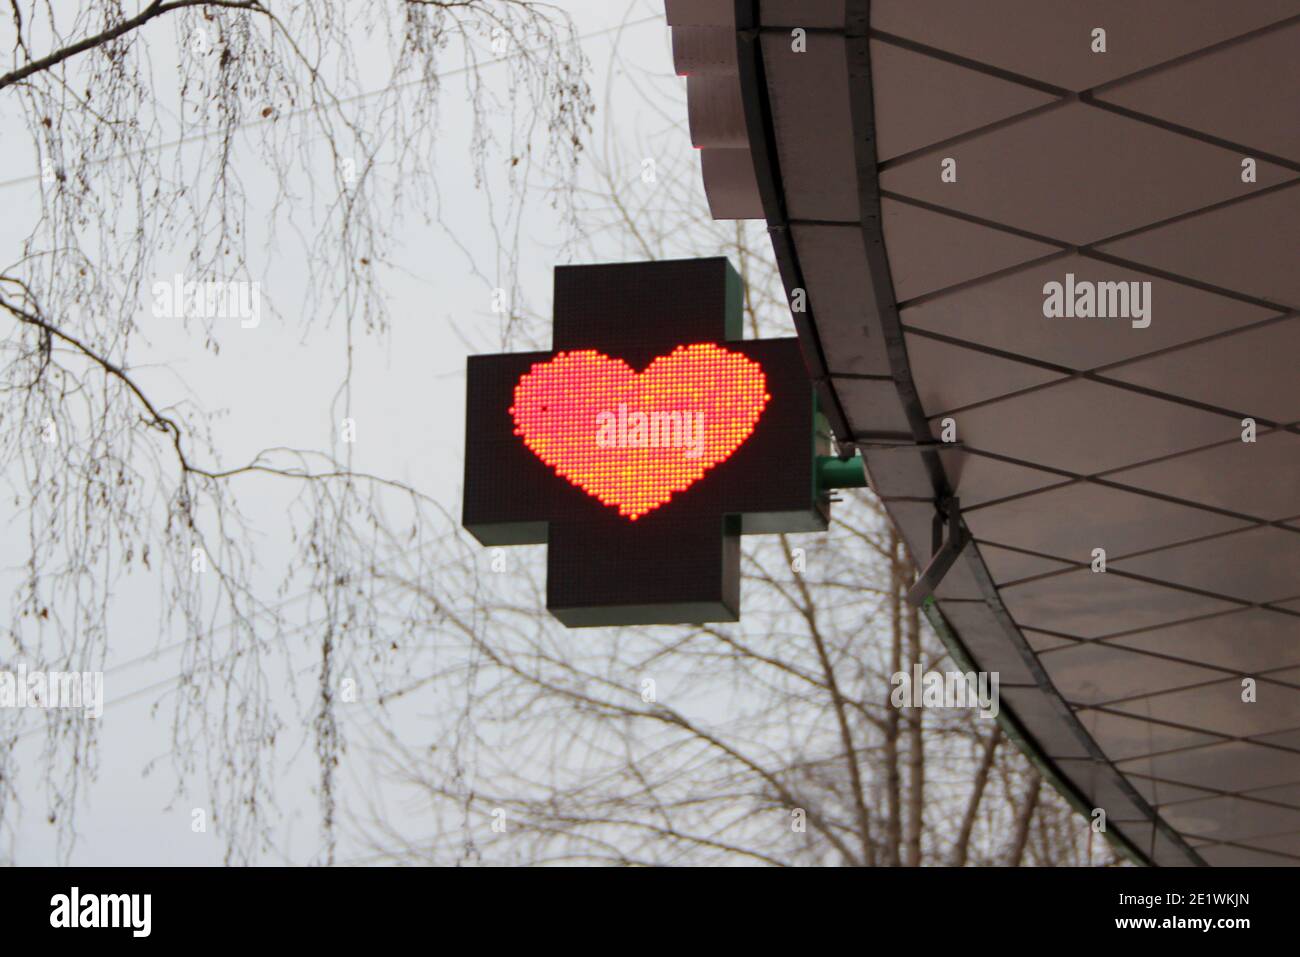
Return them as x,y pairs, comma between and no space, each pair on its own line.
632,440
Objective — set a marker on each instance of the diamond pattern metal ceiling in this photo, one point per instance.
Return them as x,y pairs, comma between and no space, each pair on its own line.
927,303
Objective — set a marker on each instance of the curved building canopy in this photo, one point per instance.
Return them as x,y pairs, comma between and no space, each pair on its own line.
1048,250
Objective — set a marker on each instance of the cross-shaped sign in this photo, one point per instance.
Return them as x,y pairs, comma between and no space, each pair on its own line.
643,445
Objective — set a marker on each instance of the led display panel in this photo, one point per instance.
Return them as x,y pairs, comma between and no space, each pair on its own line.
643,445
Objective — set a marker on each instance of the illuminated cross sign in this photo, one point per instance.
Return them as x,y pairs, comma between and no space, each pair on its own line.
643,445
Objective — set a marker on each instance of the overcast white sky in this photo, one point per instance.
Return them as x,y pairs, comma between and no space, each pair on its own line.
276,383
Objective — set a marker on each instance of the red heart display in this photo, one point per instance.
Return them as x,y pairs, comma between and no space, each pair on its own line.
632,440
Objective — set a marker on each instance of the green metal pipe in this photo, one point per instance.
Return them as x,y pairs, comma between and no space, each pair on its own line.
834,472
